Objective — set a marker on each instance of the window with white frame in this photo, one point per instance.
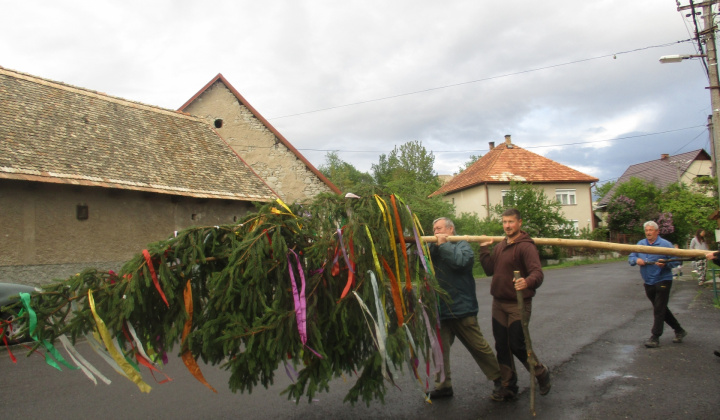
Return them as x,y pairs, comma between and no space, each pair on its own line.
505,197
575,224
565,197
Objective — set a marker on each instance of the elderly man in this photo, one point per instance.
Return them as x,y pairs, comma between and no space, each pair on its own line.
657,275
453,263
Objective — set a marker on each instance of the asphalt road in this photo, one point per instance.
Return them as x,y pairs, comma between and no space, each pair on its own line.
588,325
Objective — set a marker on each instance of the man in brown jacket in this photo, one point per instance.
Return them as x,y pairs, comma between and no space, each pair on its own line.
517,252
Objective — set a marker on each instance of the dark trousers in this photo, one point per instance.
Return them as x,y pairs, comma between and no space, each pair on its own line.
659,294
510,340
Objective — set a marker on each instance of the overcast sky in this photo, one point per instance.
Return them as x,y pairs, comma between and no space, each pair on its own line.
361,77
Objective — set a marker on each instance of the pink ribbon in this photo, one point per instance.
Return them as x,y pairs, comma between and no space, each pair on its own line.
300,303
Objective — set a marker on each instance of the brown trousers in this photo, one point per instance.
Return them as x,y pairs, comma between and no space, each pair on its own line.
468,332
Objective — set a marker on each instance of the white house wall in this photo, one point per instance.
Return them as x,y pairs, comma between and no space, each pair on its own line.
474,200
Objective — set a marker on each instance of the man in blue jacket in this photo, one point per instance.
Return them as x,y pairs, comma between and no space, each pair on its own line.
453,263
657,275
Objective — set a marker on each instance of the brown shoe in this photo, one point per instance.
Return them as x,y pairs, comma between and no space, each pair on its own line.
544,382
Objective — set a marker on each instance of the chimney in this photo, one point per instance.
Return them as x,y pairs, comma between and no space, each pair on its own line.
492,145
507,139
664,156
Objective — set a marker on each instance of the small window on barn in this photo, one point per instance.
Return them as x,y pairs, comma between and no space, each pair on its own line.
193,216
218,123
82,212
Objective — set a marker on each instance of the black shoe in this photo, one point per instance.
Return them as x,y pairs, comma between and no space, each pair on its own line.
717,353
653,342
679,335
544,382
441,393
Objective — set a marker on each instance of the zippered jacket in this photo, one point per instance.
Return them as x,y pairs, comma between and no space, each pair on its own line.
453,262
651,273
507,257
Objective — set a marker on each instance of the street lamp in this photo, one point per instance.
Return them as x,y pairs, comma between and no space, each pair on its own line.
676,58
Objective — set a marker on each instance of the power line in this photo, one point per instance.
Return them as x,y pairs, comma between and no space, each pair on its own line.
528,147
614,55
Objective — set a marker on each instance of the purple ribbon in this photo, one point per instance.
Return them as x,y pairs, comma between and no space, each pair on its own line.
300,303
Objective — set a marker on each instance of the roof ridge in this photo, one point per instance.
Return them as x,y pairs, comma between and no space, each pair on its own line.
93,93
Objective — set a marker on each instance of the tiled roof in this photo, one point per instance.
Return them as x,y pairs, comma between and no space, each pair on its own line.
509,162
265,122
57,133
660,172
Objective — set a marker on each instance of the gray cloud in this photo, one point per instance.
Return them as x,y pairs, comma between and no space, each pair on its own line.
293,57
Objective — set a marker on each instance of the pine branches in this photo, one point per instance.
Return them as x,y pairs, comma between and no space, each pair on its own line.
287,285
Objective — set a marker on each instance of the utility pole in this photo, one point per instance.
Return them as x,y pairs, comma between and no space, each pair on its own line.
708,38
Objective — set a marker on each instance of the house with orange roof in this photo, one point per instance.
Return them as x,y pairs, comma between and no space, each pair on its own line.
485,183
88,180
260,144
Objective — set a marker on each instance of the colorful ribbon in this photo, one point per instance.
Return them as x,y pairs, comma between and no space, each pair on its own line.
87,368
155,280
25,299
130,373
187,356
397,297
403,247
300,302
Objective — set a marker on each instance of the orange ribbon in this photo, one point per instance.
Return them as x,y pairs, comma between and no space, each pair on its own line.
187,356
395,293
408,283
146,254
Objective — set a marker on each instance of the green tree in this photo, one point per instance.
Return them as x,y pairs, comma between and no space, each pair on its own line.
408,172
471,224
471,160
623,215
410,161
344,175
602,190
690,208
645,194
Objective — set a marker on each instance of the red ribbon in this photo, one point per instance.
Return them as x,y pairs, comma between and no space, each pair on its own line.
12,356
143,361
146,254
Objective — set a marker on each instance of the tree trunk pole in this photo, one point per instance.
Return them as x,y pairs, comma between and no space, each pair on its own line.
528,343
581,243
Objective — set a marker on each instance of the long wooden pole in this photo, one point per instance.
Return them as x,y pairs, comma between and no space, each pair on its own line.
581,243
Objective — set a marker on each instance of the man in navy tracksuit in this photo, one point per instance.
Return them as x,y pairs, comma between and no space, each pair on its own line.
657,275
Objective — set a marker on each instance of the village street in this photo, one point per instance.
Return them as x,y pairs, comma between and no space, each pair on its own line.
588,325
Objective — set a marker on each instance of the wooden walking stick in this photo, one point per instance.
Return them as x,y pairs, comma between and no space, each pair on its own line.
528,344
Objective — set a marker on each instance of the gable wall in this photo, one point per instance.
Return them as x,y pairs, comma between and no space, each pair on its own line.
697,168
286,174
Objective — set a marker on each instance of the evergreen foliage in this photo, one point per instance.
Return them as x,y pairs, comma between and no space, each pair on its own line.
248,284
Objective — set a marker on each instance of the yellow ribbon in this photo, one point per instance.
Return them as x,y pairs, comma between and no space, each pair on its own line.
378,268
129,371
279,201
388,220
